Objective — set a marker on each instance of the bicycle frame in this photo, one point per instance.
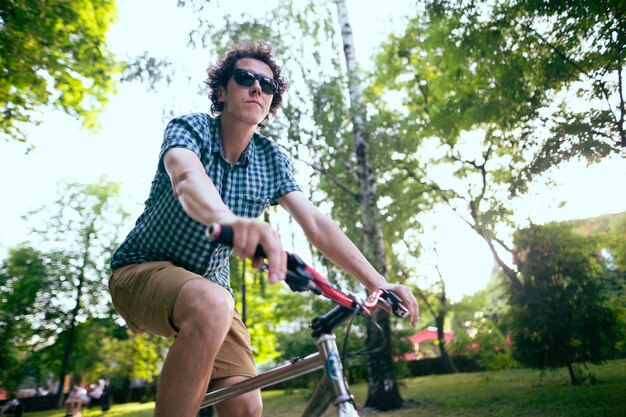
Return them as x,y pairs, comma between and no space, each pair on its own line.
333,388
327,357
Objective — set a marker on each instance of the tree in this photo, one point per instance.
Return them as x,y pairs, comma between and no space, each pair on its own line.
22,277
580,46
128,357
457,125
518,66
438,305
78,235
259,309
53,54
616,241
475,90
383,392
560,316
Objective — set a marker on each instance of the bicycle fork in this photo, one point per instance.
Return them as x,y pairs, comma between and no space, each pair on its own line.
333,388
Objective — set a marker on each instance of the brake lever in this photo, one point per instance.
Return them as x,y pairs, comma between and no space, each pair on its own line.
394,303
298,276
298,283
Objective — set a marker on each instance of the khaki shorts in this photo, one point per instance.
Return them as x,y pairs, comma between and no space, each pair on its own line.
144,295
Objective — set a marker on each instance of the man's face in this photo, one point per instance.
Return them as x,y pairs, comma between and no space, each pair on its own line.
247,104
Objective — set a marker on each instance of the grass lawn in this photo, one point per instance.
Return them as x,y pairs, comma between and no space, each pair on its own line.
521,392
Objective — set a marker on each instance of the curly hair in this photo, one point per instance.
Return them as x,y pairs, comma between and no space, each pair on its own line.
220,73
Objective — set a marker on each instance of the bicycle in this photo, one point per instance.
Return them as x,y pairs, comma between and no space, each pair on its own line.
333,387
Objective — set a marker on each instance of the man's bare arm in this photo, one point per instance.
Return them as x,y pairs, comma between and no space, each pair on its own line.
326,236
202,202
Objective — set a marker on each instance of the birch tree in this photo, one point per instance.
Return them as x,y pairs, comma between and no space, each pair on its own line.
383,391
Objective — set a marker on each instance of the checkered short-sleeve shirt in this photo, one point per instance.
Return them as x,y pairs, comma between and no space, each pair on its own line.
164,232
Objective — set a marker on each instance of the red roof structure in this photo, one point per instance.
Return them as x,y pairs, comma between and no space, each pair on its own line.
430,333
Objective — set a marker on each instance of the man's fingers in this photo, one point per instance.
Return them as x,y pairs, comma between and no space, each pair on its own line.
241,236
248,235
413,307
277,261
408,300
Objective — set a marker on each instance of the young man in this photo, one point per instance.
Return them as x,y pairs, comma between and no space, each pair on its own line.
169,280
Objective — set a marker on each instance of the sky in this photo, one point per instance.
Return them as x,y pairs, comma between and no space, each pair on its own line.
126,147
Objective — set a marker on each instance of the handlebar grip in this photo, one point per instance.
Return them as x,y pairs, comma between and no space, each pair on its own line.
224,235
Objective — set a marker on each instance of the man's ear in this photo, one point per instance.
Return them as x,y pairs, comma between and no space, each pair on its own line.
221,94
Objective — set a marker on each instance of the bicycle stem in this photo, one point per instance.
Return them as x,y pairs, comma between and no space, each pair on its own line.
328,322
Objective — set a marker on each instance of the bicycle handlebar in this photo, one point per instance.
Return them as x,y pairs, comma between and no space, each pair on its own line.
302,277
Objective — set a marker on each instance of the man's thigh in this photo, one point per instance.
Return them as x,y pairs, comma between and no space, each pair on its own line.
144,295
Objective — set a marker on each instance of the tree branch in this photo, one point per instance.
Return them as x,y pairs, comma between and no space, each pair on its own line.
620,88
593,79
333,179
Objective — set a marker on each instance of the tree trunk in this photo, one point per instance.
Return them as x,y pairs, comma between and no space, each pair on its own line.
383,393
128,391
448,363
572,373
71,331
244,301
69,340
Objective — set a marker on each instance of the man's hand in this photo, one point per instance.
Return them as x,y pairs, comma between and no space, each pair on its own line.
248,234
408,299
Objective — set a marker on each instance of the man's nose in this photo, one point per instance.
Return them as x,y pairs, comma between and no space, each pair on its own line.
255,87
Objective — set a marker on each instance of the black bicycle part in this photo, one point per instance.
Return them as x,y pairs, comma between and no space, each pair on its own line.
395,304
335,317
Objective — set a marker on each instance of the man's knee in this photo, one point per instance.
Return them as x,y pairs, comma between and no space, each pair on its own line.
252,408
246,405
203,306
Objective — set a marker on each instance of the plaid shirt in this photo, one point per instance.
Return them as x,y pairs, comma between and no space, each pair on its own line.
164,232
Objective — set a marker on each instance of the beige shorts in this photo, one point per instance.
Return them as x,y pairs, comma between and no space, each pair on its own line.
144,295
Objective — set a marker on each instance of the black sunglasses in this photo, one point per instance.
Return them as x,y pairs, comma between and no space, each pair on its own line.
246,78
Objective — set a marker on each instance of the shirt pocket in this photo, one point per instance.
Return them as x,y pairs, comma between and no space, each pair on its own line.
249,206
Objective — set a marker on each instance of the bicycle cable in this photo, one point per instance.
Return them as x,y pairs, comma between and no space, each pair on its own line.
366,350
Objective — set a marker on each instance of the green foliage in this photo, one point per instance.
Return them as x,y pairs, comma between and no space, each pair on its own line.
617,242
79,232
130,356
22,276
516,66
587,37
61,285
487,344
476,88
561,315
480,327
53,54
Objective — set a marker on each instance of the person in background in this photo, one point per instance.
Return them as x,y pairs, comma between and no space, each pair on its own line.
13,406
76,400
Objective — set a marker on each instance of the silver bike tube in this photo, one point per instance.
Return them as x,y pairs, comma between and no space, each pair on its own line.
320,400
347,410
334,378
281,373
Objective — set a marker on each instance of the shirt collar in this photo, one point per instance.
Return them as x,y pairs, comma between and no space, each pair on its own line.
248,154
